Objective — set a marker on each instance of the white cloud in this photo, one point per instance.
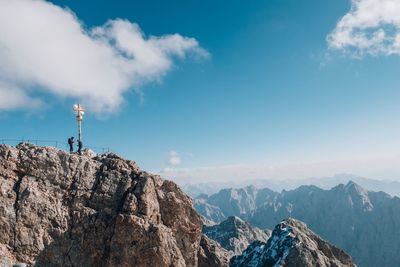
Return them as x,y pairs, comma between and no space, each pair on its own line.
370,27
12,97
174,159
45,46
377,168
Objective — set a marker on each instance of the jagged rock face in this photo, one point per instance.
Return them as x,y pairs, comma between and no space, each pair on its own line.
211,214
361,222
59,209
235,235
232,202
292,244
235,201
212,254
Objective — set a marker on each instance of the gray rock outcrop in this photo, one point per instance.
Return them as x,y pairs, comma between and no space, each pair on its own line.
60,209
212,254
292,244
235,235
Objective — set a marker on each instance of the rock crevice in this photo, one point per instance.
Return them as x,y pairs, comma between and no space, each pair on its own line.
61,209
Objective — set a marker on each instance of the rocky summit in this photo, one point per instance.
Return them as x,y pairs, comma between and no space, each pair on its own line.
292,244
60,209
235,235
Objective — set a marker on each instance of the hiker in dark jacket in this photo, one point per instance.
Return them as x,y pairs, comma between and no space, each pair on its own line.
71,144
80,145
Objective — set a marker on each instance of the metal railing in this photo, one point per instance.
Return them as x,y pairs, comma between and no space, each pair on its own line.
54,143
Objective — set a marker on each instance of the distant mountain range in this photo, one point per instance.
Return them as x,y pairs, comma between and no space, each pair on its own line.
365,224
390,187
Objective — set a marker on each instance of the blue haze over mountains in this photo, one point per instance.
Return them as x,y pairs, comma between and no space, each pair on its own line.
391,187
363,223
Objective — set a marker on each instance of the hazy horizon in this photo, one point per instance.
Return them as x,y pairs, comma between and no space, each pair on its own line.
210,91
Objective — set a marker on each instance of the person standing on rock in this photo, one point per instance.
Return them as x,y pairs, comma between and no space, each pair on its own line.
80,145
71,144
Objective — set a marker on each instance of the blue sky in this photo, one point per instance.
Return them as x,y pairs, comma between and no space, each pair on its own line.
270,91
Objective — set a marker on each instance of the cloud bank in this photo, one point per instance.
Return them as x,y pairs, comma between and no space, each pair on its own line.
377,168
44,49
370,27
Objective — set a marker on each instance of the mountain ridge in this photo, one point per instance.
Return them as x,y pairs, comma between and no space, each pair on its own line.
235,235
361,222
292,244
391,187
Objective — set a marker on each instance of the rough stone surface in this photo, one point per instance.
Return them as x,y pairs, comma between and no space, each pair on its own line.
235,235
60,209
292,244
212,254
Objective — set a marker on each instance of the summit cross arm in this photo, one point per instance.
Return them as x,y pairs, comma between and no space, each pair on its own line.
80,111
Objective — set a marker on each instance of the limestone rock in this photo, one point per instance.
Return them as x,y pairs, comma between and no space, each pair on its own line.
212,254
60,209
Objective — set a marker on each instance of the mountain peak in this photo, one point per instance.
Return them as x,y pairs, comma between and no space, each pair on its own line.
292,244
358,195
235,220
235,235
353,185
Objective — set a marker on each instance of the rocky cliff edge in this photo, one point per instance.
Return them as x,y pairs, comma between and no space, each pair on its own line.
60,209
